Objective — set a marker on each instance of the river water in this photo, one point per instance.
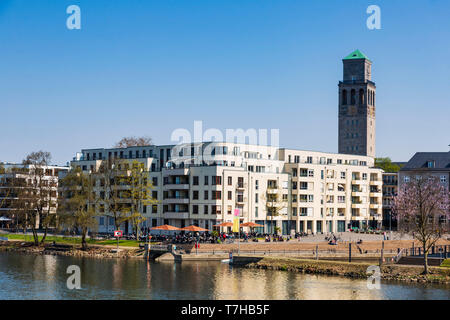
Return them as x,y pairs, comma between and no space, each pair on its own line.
45,277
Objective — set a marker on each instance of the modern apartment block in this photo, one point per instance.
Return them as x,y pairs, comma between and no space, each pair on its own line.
18,176
357,94
203,183
390,190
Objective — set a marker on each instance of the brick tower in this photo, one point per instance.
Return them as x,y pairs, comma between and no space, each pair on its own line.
357,106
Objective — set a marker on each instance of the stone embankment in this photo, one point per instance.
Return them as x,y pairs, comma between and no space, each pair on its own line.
92,251
352,270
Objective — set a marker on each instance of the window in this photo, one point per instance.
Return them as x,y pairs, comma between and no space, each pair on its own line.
256,184
205,209
309,160
443,179
206,195
195,180
294,172
406,179
195,209
154,208
229,209
230,181
342,174
256,212
256,197
216,180
344,97
195,195
230,195
206,180
353,97
430,164
216,195
311,173
155,181
294,185
364,176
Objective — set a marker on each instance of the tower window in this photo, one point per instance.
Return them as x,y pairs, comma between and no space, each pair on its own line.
344,97
353,97
361,96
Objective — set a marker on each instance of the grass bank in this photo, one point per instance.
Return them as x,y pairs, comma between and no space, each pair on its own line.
352,270
72,240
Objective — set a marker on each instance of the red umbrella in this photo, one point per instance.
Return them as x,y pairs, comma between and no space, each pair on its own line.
193,229
166,227
251,225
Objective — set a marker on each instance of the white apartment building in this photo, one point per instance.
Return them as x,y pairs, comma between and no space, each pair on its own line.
203,183
15,176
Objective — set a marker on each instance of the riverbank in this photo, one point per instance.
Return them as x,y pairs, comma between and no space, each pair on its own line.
74,251
352,270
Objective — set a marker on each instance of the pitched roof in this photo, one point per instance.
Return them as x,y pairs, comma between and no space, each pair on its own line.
356,55
420,161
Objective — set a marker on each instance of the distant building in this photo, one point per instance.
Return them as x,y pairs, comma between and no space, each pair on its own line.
15,176
426,164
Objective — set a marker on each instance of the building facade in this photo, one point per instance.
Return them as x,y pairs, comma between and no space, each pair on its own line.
390,190
15,177
357,94
204,183
427,164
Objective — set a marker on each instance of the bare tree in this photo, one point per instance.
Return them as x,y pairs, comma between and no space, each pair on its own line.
36,199
422,207
133,142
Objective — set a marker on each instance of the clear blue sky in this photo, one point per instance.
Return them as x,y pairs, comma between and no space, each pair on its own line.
149,67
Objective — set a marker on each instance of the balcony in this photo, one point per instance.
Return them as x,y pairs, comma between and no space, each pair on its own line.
376,183
176,200
241,200
176,215
177,186
375,206
376,194
241,186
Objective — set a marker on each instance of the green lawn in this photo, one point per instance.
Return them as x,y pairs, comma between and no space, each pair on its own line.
446,263
73,241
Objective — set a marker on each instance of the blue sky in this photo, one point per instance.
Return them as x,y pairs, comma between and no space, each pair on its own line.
150,67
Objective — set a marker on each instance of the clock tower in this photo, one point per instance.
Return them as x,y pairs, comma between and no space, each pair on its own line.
357,106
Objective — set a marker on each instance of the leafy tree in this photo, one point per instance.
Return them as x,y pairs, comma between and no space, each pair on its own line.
111,176
78,203
133,142
275,202
139,192
387,165
422,207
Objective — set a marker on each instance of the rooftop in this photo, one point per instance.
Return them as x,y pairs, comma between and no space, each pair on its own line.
356,55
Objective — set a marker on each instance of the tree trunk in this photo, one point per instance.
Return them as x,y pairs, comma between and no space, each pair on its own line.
45,235
83,240
35,237
425,260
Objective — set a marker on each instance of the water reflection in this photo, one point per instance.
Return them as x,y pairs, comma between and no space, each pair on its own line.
44,277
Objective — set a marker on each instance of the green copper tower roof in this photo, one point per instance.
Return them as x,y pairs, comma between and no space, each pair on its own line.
356,55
